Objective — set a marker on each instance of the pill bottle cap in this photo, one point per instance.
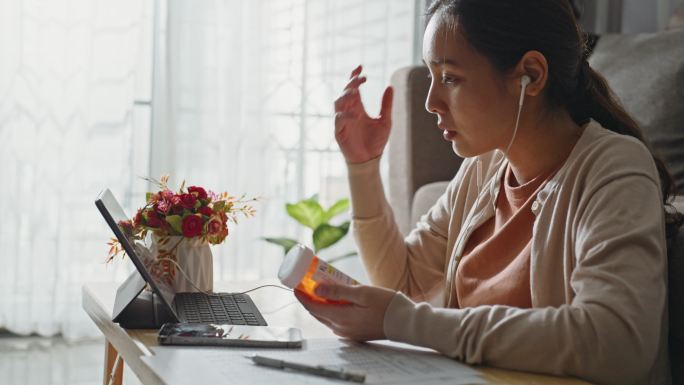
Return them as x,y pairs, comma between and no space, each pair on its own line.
295,265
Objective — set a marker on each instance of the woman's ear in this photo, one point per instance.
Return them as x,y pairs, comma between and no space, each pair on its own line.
534,65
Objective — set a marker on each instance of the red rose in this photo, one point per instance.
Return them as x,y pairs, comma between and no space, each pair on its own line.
223,217
206,210
138,218
199,192
126,227
188,201
192,226
214,227
216,231
153,219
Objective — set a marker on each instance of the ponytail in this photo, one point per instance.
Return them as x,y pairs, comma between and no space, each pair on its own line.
594,99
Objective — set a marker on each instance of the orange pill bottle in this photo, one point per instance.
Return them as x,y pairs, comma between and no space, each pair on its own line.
302,270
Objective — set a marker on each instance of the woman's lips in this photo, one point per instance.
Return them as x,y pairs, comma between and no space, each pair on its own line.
449,135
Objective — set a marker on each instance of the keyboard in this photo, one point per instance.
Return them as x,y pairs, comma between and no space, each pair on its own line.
220,308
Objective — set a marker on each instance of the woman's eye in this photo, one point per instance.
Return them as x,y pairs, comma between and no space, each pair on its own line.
445,79
448,79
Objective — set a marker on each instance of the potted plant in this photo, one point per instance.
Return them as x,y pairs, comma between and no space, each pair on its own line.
176,229
312,215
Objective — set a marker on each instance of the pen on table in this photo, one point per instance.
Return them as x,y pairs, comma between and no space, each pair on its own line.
317,370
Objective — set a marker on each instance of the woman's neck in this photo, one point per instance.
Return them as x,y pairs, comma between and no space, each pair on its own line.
541,146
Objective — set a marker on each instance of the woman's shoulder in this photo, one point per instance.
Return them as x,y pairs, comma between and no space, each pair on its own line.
602,154
602,139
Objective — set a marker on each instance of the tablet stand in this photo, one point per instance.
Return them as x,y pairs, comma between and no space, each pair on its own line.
135,308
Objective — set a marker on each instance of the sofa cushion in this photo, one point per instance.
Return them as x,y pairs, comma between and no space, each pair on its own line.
425,198
676,277
675,253
646,71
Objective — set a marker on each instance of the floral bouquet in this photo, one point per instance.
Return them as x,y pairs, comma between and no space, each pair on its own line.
191,215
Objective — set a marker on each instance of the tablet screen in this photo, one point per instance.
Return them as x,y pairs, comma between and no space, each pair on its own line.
137,251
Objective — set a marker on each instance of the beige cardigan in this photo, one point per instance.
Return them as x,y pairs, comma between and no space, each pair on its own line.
597,274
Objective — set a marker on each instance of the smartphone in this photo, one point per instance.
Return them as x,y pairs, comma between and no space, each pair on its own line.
229,335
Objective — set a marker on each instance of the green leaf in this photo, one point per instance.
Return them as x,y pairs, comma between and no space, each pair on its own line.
148,196
337,208
218,206
327,235
341,257
176,223
286,243
307,212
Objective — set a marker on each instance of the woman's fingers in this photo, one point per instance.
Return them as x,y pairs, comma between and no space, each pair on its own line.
356,71
386,105
350,293
328,312
355,82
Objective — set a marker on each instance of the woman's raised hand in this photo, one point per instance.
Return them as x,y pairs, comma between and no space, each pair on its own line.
360,137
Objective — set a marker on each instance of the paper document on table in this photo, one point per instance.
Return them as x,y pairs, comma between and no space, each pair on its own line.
382,362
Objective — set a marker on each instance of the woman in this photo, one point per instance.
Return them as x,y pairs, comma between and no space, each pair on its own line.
549,243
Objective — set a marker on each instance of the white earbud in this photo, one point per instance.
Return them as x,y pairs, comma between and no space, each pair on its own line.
524,81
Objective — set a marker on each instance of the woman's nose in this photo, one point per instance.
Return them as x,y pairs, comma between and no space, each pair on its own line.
432,102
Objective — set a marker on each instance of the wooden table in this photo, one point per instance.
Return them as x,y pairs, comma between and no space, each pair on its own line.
279,308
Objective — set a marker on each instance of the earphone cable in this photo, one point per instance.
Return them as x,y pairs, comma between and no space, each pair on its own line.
517,118
185,276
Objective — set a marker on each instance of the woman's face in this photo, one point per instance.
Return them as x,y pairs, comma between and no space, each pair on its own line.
475,105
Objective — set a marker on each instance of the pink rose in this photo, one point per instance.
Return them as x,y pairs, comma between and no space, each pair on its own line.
175,200
166,194
192,226
164,206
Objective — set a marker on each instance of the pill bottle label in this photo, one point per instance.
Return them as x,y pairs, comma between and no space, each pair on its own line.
321,271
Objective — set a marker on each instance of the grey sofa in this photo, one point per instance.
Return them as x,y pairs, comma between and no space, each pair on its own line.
646,72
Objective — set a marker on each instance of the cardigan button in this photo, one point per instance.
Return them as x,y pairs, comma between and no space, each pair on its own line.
535,206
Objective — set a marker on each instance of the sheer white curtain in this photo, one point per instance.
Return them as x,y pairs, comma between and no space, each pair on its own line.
69,75
247,89
242,102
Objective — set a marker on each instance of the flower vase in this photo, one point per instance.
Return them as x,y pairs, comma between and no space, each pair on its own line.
193,269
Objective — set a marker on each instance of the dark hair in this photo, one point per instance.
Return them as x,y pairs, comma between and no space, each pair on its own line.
503,31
